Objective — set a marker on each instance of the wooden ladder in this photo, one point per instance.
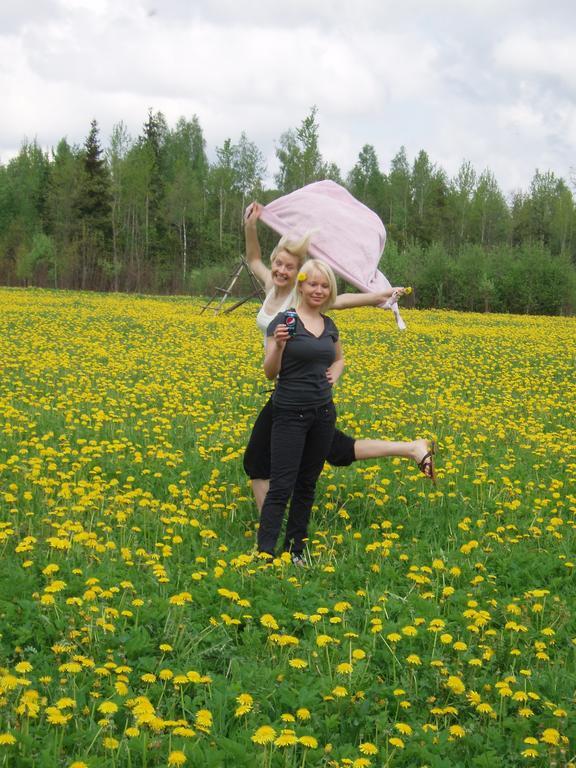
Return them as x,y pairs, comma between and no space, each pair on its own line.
224,293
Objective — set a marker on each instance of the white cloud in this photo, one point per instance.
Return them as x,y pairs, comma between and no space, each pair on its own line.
531,55
488,82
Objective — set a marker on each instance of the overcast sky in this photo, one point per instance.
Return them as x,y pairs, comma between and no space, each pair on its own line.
490,81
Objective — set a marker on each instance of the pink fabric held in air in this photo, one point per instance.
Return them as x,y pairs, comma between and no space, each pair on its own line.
346,234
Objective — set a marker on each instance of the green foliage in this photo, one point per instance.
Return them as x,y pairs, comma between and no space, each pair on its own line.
41,254
299,154
143,213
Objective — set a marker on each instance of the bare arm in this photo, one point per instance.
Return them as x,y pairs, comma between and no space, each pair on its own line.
350,300
253,252
335,371
274,350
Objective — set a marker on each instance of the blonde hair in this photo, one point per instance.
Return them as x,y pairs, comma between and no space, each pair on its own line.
315,265
294,245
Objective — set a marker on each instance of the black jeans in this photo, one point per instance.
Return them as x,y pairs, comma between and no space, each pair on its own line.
301,440
257,454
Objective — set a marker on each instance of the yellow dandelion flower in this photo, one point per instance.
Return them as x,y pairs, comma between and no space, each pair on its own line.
7,739
72,667
78,764
66,703
342,607
181,598
268,621
302,276
550,736
396,742
484,708
473,697
108,708
339,691
203,719
308,741
110,743
55,717
23,667
455,684
414,659
298,663
404,729
457,732
176,757
286,738
529,753
264,735
526,712
345,668
367,748
323,640
303,714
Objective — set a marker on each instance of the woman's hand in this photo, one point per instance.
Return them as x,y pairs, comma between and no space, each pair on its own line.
253,214
332,375
334,372
275,345
281,335
395,295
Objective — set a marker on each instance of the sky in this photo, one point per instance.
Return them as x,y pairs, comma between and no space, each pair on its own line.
492,82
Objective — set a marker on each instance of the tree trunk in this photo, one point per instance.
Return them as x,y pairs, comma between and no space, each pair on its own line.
184,251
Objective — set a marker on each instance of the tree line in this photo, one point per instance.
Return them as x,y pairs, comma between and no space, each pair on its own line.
148,214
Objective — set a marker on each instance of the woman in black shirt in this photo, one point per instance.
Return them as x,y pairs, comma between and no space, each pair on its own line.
306,366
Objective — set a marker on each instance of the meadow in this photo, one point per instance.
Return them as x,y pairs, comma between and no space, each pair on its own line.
435,626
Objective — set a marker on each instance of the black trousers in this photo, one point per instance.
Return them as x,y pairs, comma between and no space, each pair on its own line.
301,440
257,454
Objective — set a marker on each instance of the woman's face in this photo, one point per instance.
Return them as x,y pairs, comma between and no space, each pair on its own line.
284,269
315,290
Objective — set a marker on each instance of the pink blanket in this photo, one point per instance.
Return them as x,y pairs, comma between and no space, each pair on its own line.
346,234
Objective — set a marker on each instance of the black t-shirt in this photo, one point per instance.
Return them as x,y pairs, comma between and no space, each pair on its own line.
302,379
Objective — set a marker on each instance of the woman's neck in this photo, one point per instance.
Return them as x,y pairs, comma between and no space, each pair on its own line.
280,292
309,312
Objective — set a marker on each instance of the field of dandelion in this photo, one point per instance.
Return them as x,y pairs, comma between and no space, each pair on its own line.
435,626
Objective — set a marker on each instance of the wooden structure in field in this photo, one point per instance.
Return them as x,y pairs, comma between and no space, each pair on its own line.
224,293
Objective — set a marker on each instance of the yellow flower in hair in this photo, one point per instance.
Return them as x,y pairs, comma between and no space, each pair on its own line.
302,276
407,290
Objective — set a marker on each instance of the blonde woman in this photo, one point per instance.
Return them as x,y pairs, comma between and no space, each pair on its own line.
305,364
279,281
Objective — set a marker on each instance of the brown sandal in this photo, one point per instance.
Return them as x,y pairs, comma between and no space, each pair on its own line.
426,465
